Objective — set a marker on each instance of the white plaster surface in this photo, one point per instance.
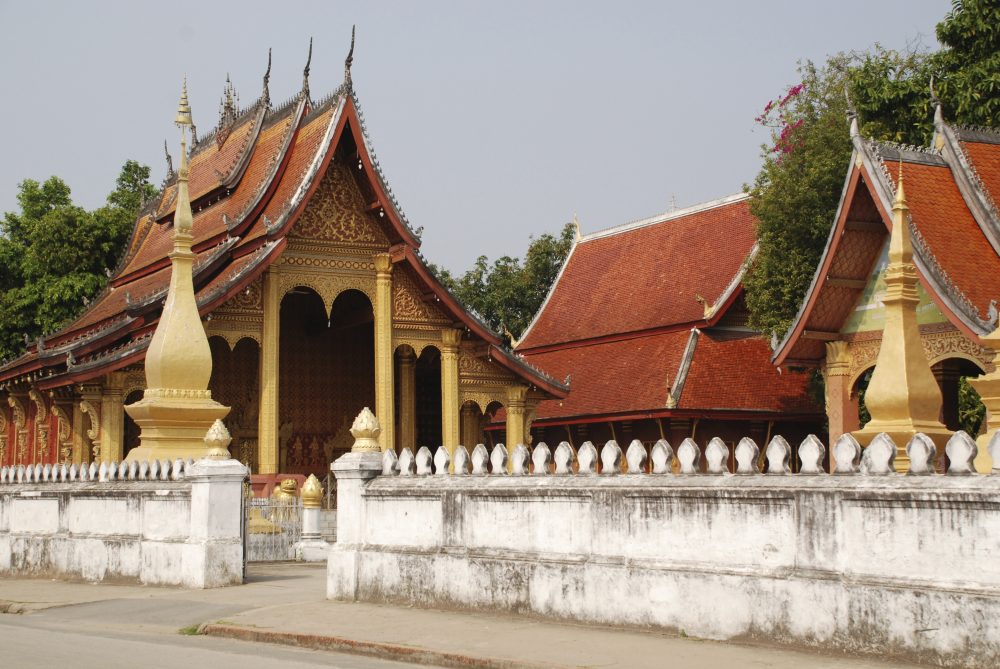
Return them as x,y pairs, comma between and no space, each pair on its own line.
888,565
184,532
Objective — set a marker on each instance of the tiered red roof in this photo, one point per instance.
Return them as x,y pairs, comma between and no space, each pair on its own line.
955,224
645,320
250,180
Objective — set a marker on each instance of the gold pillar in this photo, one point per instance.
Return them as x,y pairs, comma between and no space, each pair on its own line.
267,416
112,425
383,350
470,425
903,397
841,408
516,396
81,445
988,387
450,405
407,400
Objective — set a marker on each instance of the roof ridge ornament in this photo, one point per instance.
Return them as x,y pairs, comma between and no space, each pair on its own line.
852,113
349,60
170,160
305,71
265,94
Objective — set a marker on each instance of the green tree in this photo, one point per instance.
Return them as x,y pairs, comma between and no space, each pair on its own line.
796,192
53,254
508,293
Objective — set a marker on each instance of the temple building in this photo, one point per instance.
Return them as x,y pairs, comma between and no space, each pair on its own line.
649,323
954,225
313,293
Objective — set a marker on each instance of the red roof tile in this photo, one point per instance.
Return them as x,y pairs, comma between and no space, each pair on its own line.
645,275
955,239
633,376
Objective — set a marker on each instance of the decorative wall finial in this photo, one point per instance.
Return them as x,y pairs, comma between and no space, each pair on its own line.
576,228
266,93
349,60
305,70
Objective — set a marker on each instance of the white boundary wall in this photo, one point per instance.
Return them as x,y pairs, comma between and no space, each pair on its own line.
176,524
894,565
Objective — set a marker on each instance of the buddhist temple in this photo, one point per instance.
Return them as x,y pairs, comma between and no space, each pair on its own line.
314,296
649,323
954,227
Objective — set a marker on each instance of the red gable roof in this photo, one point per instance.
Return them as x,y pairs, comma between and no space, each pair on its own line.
647,274
624,322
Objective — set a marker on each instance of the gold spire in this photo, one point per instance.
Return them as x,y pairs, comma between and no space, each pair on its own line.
183,108
900,247
177,410
903,397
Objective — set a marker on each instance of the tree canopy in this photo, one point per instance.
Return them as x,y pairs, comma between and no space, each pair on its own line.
508,292
796,192
54,254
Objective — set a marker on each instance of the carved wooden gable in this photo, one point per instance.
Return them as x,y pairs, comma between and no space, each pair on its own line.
337,213
407,304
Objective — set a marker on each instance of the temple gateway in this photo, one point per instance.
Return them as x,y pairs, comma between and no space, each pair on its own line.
313,293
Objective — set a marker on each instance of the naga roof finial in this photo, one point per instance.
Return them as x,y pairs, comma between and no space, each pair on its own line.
305,70
266,93
936,101
852,113
349,60
170,160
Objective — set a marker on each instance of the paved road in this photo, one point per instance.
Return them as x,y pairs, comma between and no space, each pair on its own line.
107,626
50,640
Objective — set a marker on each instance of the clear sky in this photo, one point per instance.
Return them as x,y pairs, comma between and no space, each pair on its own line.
493,121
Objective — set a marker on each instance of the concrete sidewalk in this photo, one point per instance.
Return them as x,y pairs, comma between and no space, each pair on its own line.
286,604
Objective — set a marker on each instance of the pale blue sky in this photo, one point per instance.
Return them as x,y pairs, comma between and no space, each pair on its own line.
493,120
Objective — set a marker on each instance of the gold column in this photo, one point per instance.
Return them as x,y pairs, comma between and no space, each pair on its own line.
903,397
450,404
112,425
841,409
383,350
407,400
267,416
988,387
470,425
516,396
81,445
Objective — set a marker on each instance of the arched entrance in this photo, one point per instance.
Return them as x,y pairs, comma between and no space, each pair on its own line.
428,398
327,375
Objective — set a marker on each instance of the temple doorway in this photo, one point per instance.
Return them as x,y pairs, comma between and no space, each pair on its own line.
428,398
327,375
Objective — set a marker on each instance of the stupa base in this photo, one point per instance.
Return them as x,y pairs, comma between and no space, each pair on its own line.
173,427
